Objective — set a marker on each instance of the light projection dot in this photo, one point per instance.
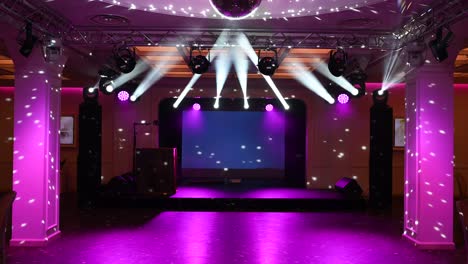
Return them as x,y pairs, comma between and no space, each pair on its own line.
24,224
29,114
21,157
329,186
199,153
269,107
165,163
259,147
314,178
120,129
343,98
355,177
243,147
259,160
226,169
123,96
363,147
218,162
31,201
196,107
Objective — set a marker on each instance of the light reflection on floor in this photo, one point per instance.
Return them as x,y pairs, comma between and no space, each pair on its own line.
146,236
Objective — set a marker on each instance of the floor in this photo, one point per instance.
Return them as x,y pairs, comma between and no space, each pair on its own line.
243,191
125,236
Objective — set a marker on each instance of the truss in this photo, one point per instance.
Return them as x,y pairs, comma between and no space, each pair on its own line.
49,24
440,14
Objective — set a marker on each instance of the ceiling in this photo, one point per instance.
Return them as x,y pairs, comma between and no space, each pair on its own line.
352,16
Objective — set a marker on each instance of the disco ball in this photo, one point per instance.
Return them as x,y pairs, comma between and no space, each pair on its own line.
235,9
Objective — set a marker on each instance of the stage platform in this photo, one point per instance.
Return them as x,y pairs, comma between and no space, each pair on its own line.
239,197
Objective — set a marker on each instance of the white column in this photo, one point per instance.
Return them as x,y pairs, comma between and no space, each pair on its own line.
36,157
428,220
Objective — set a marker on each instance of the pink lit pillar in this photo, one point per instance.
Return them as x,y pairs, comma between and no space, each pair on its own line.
428,219
36,156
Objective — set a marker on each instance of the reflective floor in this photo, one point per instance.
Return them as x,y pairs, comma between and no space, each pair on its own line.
123,236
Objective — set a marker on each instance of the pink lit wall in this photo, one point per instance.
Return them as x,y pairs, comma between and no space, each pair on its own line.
324,166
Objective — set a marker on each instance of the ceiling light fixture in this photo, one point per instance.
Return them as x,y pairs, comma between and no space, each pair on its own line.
268,65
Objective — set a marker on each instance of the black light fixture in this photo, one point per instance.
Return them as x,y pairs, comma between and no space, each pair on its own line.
268,65
106,81
358,80
125,59
29,42
90,94
439,46
199,64
337,62
380,98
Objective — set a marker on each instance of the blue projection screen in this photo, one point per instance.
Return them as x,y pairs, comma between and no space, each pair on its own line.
233,143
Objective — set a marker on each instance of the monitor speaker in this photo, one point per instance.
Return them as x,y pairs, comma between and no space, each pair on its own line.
348,186
156,171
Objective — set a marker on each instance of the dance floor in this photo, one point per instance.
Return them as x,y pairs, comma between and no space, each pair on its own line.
148,236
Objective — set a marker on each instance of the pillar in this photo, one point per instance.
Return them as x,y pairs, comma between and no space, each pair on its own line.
428,217
36,148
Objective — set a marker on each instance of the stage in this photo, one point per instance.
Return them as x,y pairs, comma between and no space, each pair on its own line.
239,197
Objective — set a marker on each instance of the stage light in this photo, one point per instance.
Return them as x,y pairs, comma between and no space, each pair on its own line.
109,87
196,107
29,42
125,59
358,80
133,98
337,62
380,97
199,64
235,10
343,98
267,65
123,96
439,46
90,94
269,107
244,43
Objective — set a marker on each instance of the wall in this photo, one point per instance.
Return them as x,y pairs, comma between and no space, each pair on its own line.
332,129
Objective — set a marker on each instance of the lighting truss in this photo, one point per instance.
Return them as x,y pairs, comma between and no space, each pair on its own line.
441,13
49,23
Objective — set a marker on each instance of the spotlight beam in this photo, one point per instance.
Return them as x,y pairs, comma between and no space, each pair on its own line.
223,65
187,88
221,39
140,67
341,81
242,66
311,82
244,43
152,77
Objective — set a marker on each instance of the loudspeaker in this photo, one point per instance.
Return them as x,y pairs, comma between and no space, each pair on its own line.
156,171
380,156
89,152
348,186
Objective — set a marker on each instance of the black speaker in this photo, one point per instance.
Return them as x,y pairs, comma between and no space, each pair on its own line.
380,156
89,152
156,171
348,186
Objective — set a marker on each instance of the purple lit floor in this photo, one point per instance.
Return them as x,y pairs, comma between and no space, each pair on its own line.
246,192
114,236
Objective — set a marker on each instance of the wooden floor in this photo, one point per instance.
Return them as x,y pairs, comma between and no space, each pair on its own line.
142,235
